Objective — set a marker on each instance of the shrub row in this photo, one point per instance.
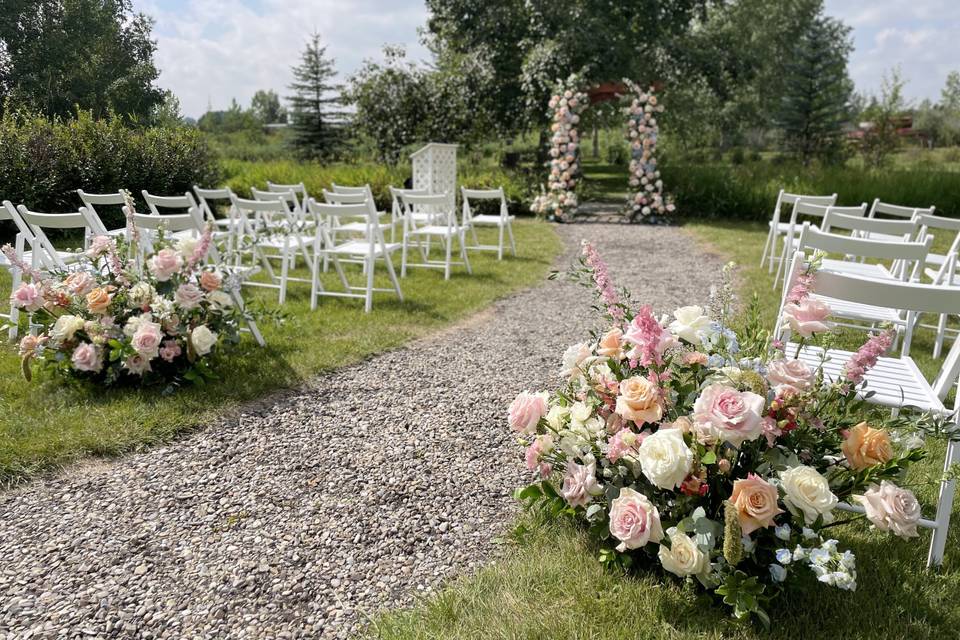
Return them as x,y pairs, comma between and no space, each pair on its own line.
749,191
44,162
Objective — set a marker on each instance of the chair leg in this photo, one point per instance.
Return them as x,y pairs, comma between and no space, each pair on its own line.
446,268
463,252
284,269
473,233
766,247
941,333
368,303
403,257
251,324
314,281
500,243
938,541
14,311
388,258
513,245
780,268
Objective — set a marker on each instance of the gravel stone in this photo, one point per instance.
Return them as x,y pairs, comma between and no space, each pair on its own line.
306,513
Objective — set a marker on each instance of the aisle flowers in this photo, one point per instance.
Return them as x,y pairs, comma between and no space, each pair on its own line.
559,199
677,449
642,133
122,315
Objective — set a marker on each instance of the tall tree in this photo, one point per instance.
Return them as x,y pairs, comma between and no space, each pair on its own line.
882,139
316,104
817,89
56,55
950,95
266,107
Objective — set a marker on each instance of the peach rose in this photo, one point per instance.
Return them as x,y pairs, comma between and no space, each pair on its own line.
639,400
210,281
756,503
79,283
865,447
98,300
695,357
610,344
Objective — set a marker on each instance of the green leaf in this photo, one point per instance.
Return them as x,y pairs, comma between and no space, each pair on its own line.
710,457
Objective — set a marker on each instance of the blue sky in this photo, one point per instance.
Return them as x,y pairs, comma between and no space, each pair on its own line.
210,51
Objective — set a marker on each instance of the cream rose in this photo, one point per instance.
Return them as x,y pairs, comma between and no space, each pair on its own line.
790,376
756,503
891,508
202,340
574,359
219,299
688,324
634,520
639,400
865,447
140,294
683,557
665,458
64,328
556,416
808,493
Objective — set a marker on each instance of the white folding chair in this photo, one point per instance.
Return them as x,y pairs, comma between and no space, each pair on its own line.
808,210
340,189
442,224
942,269
369,247
778,228
857,315
44,255
93,200
274,233
502,221
228,227
895,382
166,205
857,226
300,189
191,222
23,237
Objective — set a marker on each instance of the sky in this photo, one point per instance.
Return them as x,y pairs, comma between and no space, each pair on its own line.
210,51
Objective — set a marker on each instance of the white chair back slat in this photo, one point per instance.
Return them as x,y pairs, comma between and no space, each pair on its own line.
896,210
811,238
182,203
839,220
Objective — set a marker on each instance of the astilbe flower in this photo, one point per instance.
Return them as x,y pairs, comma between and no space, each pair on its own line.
601,278
866,356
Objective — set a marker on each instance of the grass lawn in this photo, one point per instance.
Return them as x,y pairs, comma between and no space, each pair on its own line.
46,423
549,584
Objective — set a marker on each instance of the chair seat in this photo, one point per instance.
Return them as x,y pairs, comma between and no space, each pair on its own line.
861,312
421,217
487,219
859,269
359,227
435,230
361,248
276,242
896,382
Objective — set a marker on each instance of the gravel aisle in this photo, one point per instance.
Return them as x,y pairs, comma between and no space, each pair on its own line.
323,505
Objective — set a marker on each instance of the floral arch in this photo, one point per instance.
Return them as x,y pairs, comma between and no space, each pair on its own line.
558,198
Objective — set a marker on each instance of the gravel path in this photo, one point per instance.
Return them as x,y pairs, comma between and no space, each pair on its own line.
319,506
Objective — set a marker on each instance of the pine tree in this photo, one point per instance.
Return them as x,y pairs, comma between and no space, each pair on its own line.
817,91
317,119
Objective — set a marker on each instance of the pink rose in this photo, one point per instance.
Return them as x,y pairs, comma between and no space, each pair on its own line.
79,283
170,350
188,296
634,520
695,357
86,357
756,503
164,264
790,376
526,410
580,484
99,246
891,508
770,430
622,443
27,297
731,415
146,339
540,446
807,317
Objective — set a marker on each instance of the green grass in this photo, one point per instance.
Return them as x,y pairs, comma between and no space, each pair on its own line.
549,584
46,423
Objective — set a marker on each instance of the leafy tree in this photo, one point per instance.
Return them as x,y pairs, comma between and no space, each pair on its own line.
882,139
816,100
57,55
950,95
266,107
316,104
232,120
167,113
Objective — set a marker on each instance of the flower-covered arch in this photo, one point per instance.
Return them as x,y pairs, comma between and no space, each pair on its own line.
558,198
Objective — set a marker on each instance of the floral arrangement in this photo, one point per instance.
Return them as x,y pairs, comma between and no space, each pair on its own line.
119,314
642,132
682,452
560,199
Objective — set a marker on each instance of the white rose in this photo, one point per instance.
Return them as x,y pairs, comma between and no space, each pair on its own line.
219,299
186,246
140,294
891,508
202,340
556,416
580,413
573,360
64,328
808,492
688,323
665,458
684,557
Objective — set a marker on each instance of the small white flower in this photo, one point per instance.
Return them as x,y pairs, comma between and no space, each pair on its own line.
784,556
778,573
782,532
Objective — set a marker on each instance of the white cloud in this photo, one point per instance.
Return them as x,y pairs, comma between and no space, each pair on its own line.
211,51
919,37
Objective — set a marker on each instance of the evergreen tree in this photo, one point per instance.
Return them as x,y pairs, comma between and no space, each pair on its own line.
817,91
316,112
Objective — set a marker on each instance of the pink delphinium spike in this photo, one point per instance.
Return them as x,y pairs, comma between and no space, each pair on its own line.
601,278
11,255
866,356
201,250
